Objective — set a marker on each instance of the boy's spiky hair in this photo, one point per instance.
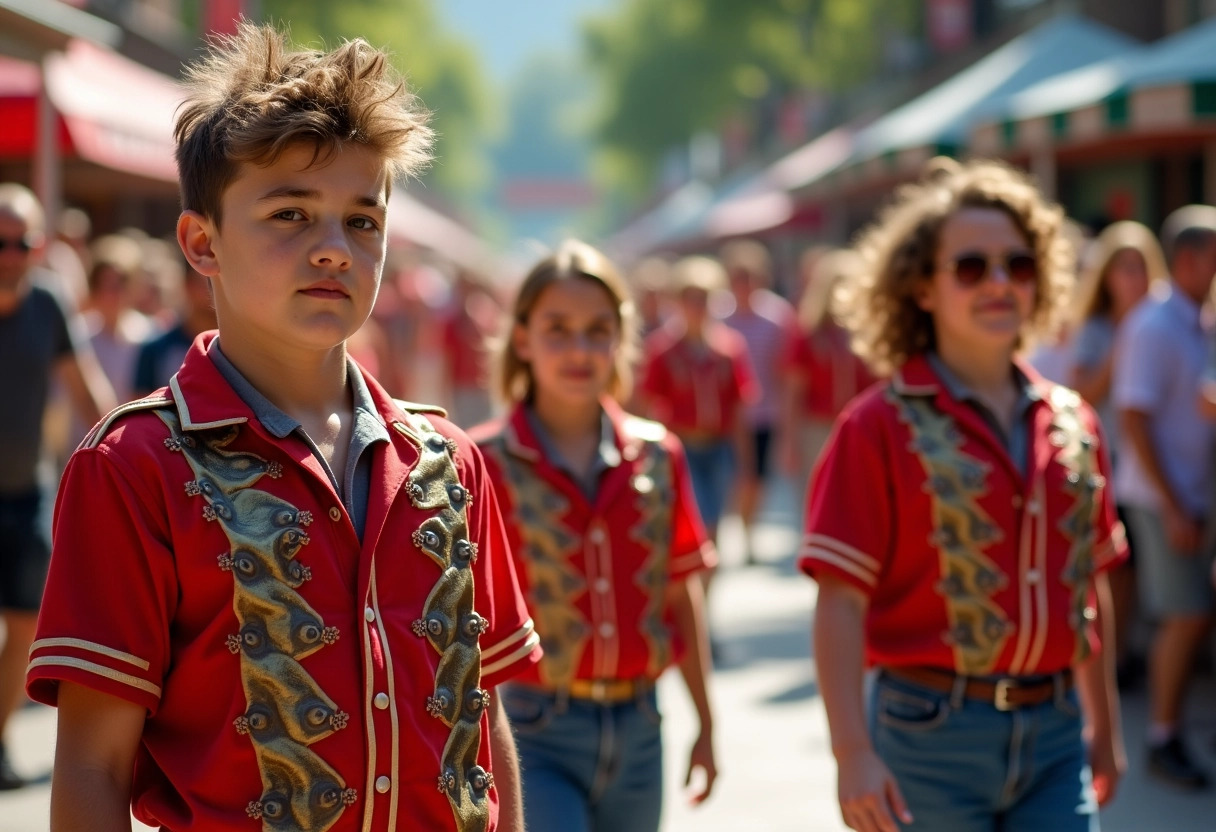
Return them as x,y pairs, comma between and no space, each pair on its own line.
252,97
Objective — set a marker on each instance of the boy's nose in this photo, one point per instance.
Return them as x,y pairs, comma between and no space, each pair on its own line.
332,249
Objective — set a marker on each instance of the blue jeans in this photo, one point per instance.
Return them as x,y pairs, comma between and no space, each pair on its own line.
711,468
587,767
964,766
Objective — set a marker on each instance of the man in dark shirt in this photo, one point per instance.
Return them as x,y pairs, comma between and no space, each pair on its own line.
36,343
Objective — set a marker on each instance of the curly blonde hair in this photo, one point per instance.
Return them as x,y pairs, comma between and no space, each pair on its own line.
573,260
252,97
899,251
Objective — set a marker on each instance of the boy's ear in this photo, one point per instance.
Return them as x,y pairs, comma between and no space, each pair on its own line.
195,234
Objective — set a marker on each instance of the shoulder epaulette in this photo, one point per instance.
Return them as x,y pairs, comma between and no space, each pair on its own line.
636,427
415,407
100,430
1064,398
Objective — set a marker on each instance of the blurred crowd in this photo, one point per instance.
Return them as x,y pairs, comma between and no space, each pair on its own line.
773,367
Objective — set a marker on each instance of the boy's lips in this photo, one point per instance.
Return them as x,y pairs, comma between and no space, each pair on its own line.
326,289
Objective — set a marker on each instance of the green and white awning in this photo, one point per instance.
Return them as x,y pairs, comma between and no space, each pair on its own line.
940,120
1164,88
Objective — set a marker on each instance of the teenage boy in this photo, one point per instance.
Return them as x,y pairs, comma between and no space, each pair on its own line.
278,598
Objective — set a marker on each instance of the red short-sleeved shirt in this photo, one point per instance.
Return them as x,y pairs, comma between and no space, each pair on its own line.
969,565
831,372
698,389
595,573
293,677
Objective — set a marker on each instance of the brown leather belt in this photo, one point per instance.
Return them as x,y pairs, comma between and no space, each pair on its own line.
1003,694
608,691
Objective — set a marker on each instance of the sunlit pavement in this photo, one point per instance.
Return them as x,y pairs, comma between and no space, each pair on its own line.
776,770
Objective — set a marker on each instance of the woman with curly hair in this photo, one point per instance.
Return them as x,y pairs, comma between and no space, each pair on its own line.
959,526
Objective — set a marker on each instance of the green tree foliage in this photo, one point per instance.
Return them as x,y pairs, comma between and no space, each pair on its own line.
442,69
671,68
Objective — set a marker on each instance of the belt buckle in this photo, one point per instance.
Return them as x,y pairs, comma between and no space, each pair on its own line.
599,690
1000,698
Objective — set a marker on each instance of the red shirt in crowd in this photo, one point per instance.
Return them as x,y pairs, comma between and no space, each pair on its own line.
294,677
698,388
831,372
969,565
595,572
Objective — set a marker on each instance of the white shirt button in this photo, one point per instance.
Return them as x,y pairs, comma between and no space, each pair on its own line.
380,701
383,784
607,630
1033,576
369,615
596,536
602,585
1034,507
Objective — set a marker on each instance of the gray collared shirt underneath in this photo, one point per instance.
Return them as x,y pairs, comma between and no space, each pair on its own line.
355,486
1016,441
606,454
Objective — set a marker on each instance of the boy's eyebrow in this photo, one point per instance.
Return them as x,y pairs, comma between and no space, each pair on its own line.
293,192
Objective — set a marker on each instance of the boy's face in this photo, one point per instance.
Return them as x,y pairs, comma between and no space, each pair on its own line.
298,255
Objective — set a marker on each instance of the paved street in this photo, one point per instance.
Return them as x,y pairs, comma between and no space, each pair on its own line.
777,773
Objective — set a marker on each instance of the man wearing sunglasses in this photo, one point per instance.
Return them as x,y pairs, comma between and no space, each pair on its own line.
36,345
1167,479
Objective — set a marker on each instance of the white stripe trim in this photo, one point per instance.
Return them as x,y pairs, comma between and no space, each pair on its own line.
507,661
1040,590
98,669
1025,623
184,412
525,631
842,548
827,556
395,744
369,724
92,647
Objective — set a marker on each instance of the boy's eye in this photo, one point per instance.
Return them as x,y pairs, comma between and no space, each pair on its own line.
289,214
363,223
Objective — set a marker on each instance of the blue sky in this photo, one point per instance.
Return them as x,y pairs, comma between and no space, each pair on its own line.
507,32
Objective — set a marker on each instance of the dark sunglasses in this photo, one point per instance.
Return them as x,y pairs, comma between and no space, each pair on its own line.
973,268
22,244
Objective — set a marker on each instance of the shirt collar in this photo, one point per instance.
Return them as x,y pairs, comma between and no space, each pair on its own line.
278,423
523,440
927,375
607,455
205,398
958,390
